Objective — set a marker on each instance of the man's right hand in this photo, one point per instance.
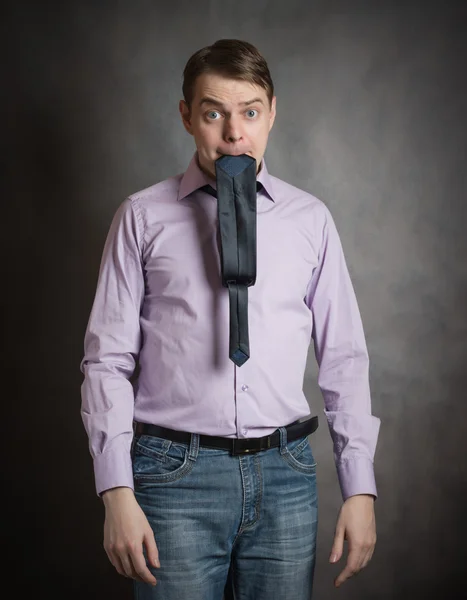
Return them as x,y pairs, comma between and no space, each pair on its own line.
126,529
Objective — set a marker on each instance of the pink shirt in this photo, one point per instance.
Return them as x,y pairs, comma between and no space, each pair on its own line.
159,295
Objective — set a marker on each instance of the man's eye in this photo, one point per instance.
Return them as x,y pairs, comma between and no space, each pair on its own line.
251,110
212,112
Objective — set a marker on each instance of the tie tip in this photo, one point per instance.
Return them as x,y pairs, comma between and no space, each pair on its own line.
239,357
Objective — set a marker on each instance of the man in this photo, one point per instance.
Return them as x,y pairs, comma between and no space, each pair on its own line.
179,505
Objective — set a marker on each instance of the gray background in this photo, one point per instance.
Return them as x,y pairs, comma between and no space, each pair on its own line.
371,119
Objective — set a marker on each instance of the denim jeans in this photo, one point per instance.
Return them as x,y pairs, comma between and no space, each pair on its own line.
244,526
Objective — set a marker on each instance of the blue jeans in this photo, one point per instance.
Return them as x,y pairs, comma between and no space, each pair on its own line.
244,526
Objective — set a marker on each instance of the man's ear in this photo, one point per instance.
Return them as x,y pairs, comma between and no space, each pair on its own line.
186,116
272,116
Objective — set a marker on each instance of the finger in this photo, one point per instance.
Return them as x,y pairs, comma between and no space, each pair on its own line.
354,560
338,545
127,565
117,563
140,568
368,556
151,548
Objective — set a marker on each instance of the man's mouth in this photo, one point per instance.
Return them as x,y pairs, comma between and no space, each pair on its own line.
232,153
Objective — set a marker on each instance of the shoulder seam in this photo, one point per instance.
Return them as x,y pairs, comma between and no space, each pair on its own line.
139,219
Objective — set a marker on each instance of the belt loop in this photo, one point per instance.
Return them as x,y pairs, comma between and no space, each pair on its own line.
283,440
194,446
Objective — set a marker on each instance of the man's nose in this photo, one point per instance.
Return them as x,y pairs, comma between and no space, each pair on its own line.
232,131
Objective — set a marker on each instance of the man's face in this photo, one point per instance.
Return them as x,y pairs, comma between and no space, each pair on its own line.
228,117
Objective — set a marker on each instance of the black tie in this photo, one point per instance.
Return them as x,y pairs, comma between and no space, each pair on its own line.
236,205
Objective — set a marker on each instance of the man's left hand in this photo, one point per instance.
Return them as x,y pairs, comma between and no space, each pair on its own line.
356,524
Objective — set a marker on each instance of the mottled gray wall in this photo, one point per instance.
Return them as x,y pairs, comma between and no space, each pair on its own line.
372,120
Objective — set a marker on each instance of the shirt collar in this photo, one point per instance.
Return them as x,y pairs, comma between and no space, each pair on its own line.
194,178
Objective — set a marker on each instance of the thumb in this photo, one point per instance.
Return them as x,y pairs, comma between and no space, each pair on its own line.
151,548
338,545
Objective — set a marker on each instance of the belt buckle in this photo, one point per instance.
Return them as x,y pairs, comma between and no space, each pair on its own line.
236,451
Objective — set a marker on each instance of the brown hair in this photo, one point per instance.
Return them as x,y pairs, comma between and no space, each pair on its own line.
231,58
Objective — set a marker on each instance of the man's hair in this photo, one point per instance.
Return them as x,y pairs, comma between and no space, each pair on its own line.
235,59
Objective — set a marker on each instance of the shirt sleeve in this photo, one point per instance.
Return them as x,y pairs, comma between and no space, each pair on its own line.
342,357
111,346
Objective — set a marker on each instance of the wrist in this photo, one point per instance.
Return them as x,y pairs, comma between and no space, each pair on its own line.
369,496
116,493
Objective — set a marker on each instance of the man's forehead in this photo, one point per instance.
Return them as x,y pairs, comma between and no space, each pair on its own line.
216,89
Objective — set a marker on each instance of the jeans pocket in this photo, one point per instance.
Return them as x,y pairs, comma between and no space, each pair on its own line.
157,460
299,456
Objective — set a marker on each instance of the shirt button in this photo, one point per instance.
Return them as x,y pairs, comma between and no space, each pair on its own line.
244,431
244,387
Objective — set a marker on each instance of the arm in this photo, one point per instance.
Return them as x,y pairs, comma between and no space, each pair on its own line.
111,345
343,378
342,357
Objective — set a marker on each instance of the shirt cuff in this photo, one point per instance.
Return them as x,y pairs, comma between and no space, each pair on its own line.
113,469
356,476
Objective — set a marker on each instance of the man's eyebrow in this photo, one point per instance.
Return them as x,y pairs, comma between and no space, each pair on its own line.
208,100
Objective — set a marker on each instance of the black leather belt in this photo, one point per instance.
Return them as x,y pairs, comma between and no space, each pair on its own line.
235,445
